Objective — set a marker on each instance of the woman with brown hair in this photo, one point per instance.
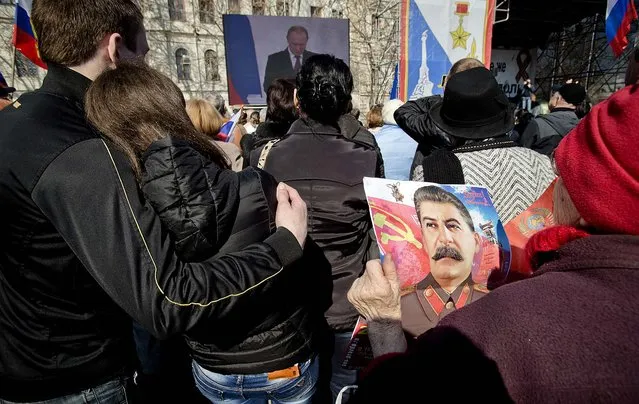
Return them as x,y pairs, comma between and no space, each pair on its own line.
280,115
208,121
208,210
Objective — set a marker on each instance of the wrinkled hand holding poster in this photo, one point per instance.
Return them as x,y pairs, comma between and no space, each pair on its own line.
448,245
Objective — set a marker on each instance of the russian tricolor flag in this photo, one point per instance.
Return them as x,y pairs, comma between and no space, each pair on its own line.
227,130
24,38
619,15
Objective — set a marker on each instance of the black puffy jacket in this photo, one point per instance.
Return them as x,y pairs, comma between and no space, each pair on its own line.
211,211
414,119
327,164
81,253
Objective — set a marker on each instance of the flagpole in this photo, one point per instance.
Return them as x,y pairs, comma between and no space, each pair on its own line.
14,42
13,68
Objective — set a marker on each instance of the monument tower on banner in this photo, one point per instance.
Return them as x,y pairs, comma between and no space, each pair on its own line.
434,34
424,86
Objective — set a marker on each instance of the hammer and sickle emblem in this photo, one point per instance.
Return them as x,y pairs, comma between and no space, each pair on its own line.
398,230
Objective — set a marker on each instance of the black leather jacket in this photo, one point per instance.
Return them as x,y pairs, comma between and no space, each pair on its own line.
414,119
81,253
327,164
211,211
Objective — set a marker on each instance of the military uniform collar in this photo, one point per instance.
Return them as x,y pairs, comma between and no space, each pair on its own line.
62,81
437,297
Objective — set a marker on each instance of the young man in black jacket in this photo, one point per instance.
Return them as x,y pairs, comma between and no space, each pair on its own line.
81,253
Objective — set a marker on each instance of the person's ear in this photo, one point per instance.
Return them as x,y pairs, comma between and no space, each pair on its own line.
296,101
114,45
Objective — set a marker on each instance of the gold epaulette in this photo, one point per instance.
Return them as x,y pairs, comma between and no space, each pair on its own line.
408,290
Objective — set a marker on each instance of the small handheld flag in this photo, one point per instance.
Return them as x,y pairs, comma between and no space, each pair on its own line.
228,129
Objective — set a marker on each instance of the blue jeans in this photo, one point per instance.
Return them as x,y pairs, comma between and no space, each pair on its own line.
256,388
113,392
341,377
526,103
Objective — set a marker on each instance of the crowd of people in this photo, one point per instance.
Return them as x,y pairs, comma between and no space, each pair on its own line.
146,259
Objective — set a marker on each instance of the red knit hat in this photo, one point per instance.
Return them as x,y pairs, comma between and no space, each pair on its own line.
599,164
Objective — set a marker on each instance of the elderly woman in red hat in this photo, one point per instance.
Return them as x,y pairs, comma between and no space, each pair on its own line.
568,334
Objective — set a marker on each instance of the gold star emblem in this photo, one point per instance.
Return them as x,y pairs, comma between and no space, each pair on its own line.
460,37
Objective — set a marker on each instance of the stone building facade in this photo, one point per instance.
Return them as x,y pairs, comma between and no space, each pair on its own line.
187,44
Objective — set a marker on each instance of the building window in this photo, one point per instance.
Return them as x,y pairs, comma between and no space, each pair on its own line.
176,10
183,63
375,25
282,8
259,6
207,11
337,13
25,67
210,64
316,11
234,6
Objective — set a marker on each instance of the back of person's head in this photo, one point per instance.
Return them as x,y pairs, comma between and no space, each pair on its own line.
218,103
205,117
280,98
255,118
462,65
70,32
134,105
388,112
374,117
243,118
570,94
474,107
445,346
324,87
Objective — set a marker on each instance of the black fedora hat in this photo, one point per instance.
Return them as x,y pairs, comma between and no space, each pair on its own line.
474,107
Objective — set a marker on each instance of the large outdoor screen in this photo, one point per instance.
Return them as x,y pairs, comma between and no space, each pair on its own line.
260,49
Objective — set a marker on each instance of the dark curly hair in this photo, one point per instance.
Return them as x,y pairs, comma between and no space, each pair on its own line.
280,102
324,86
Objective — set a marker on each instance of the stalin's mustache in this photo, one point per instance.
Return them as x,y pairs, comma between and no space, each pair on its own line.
447,252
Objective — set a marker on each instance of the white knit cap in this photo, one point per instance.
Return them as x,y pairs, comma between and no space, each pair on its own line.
389,110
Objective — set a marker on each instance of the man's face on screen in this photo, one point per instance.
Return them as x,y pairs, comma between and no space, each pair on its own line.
297,42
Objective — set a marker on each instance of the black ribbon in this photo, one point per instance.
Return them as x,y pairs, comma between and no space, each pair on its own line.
522,74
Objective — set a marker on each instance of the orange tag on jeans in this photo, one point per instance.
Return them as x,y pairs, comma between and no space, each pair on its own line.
288,373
